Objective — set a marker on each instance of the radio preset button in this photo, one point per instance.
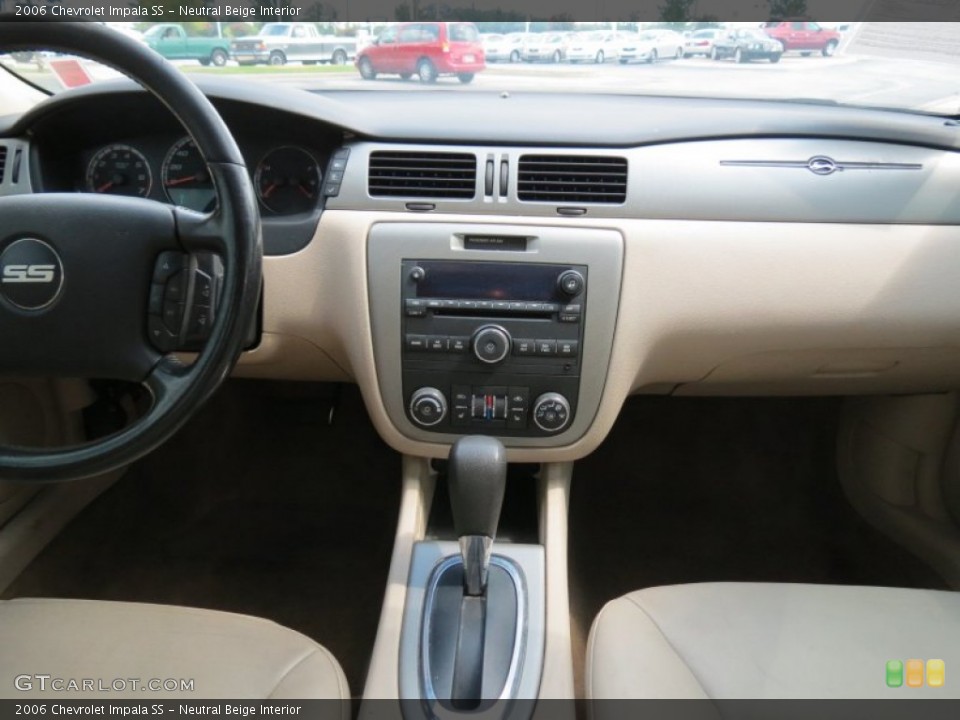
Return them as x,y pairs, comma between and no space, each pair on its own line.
416,342
524,346
459,344
437,343
546,347
567,348
491,344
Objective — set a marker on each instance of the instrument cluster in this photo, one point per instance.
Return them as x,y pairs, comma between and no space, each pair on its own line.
287,177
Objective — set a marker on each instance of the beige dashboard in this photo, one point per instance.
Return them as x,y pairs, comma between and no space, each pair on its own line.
729,308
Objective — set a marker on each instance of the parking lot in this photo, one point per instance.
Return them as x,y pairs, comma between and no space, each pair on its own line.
875,72
844,79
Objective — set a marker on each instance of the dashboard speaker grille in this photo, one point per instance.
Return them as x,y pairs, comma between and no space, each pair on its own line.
422,175
3,161
572,179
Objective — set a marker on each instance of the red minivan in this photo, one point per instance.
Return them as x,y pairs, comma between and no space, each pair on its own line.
427,49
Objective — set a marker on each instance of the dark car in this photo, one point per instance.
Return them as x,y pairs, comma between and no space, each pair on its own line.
426,49
804,36
746,45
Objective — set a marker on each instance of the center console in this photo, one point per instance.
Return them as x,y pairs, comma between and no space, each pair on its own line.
492,329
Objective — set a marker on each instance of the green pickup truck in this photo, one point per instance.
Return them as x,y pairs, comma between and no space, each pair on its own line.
173,42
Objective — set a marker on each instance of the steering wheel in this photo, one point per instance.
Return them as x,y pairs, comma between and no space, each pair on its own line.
79,267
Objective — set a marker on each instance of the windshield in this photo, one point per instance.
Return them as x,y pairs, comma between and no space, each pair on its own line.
907,66
275,30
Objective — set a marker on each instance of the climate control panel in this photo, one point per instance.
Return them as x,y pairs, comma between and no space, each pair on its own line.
477,409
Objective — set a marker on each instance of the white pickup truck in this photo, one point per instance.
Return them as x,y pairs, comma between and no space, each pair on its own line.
280,43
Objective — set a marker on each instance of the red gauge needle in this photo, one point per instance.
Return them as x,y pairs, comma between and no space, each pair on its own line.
106,186
269,191
306,192
181,181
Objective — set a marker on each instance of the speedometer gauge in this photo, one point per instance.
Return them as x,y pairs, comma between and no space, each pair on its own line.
186,179
288,180
119,170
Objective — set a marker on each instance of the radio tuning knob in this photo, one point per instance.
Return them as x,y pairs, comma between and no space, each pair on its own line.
570,283
428,406
491,344
417,273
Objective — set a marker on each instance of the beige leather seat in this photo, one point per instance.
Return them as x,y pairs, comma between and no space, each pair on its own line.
227,656
749,640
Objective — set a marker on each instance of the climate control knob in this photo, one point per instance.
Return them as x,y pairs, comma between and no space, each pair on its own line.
428,406
551,412
491,344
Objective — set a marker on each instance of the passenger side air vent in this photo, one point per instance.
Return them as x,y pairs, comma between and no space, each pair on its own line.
422,175
572,179
3,161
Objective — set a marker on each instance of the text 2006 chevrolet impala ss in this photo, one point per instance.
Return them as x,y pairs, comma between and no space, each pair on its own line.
478,398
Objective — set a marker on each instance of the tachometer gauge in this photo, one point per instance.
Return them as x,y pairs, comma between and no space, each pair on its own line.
288,180
186,179
119,170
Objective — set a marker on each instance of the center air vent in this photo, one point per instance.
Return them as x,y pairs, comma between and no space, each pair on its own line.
3,161
422,175
572,179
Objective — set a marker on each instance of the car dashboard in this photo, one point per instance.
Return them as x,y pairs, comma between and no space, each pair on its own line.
473,269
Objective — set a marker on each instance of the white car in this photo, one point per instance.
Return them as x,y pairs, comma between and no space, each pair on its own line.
596,46
650,46
544,47
503,48
701,42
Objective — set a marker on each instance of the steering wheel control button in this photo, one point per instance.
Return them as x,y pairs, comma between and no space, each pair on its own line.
173,316
551,412
168,264
570,283
428,407
31,274
188,287
491,344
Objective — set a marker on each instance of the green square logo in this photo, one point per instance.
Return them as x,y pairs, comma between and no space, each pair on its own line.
894,673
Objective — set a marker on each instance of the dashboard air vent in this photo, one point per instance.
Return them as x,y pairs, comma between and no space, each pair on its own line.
3,161
422,175
572,179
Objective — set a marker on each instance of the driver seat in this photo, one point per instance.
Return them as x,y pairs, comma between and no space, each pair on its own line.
227,656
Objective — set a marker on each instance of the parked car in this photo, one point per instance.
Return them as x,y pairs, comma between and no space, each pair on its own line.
745,45
544,47
427,49
174,43
596,47
701,42
807,37
280,43
650,46
503,48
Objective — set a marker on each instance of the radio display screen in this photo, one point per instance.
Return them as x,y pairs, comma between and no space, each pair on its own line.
489,281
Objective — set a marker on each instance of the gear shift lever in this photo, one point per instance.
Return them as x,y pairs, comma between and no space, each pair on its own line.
477,479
